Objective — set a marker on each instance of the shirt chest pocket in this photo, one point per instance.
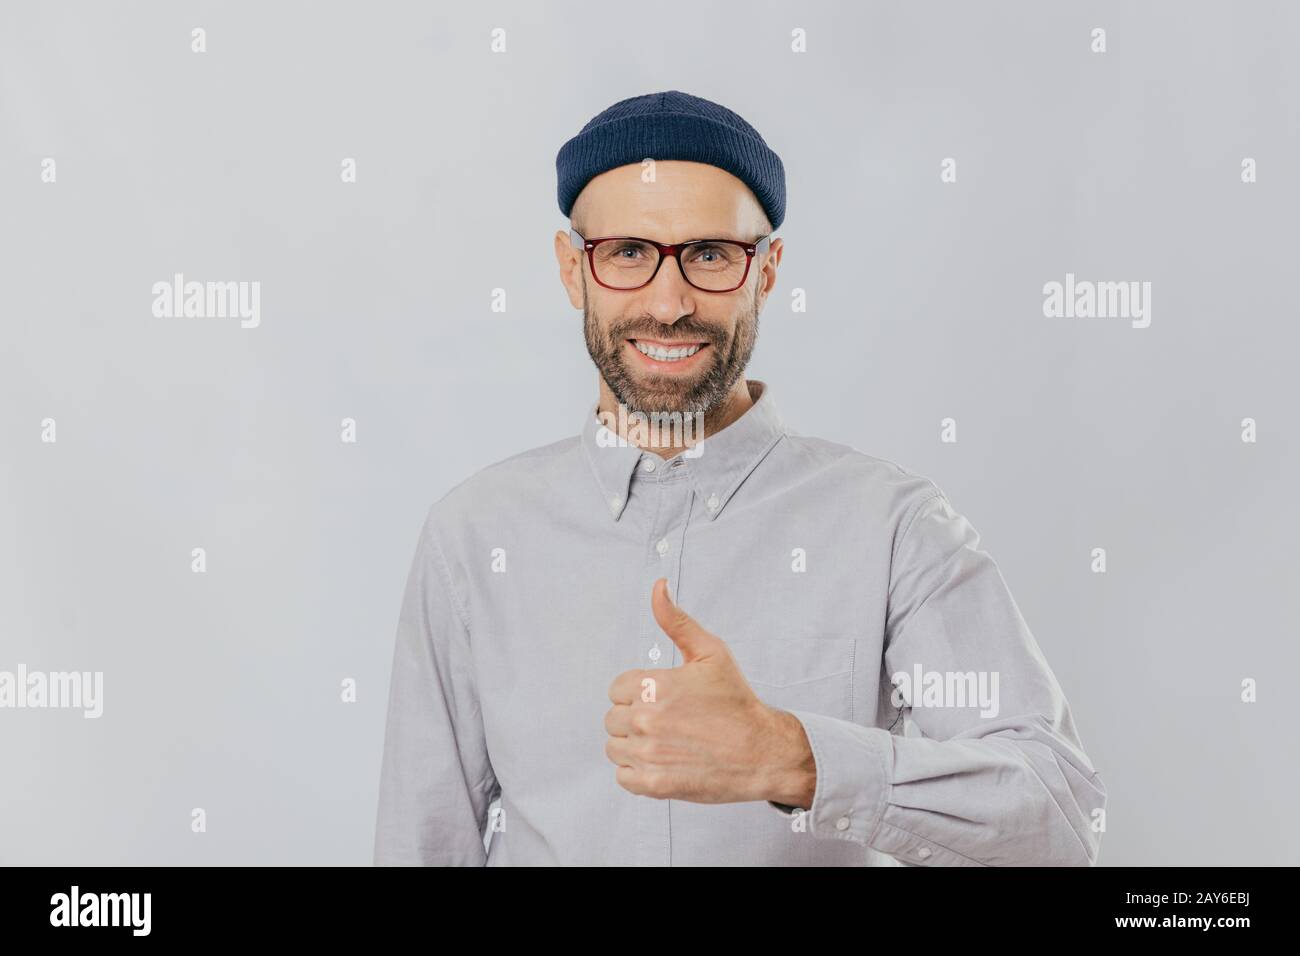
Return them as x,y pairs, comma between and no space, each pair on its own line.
813,674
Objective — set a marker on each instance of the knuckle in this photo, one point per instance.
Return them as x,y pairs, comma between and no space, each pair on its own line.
650,751
654,783
627,779
643,720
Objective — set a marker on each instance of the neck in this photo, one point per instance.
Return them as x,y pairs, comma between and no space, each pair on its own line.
667,441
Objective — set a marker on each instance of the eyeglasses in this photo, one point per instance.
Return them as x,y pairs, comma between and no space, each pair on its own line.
624,263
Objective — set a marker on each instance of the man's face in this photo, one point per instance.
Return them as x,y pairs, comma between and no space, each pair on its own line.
686,201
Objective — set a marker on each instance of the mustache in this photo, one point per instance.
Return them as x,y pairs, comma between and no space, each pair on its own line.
683,329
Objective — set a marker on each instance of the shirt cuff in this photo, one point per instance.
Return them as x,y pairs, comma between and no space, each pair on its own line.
853,764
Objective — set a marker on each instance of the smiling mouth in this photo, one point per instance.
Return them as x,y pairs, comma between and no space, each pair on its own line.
661,353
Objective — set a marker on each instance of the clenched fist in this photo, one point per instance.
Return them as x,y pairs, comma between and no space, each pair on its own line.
698,732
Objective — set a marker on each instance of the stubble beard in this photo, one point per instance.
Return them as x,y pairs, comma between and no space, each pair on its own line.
728,357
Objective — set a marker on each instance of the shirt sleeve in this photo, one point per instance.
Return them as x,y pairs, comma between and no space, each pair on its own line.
436,781
976,787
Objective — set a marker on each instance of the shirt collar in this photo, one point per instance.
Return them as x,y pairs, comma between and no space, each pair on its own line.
717,465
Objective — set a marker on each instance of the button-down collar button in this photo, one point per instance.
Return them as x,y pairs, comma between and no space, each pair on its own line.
842,823
614,503
647,465
713,502
655,653
923,853
662,546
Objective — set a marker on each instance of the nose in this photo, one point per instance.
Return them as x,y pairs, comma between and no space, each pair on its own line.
671,296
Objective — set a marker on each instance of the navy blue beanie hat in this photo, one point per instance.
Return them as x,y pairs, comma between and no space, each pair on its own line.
672,125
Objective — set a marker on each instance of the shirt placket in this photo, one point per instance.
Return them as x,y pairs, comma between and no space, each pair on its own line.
668,501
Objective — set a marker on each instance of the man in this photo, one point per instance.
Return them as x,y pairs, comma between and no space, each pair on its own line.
853,683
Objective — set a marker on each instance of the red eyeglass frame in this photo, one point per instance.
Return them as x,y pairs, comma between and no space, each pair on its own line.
757,247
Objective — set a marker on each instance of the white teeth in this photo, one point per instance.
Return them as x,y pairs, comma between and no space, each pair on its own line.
660,354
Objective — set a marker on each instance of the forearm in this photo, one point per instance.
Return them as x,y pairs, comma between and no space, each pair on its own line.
1025,797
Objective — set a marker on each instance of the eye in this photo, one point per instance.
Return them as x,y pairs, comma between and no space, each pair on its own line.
711,254
629,250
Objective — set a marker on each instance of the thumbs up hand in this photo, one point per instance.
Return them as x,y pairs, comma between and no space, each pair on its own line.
698,732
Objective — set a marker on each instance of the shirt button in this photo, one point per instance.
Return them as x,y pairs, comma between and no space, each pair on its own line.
842,823
712,502
662,546
655,653
923,853
647,465
614,503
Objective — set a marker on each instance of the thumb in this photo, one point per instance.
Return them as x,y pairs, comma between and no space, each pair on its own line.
690,637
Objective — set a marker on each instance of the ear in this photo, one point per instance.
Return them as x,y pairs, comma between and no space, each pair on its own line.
767,272
570,262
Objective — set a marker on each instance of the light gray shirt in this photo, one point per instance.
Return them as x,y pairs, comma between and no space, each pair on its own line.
828,572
